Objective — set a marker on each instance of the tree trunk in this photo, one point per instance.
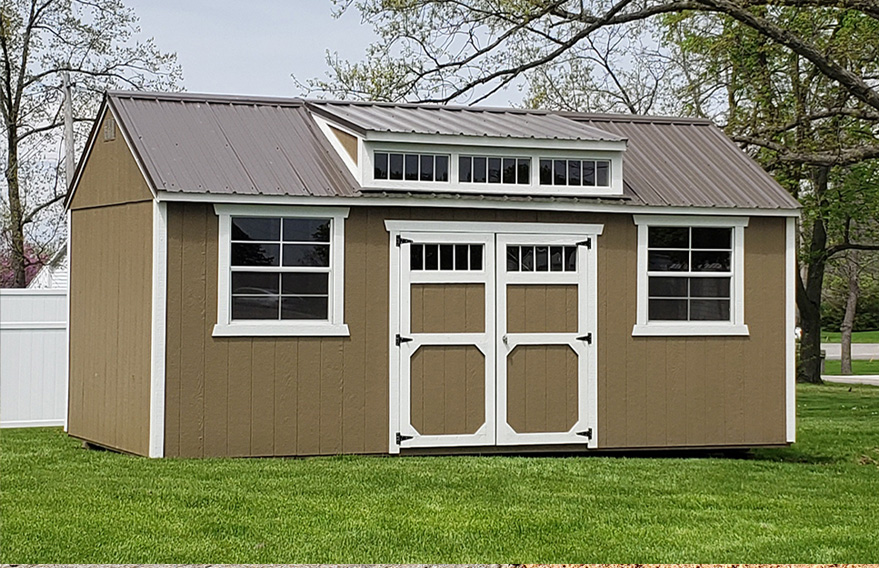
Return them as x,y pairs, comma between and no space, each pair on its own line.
848,320
809,293
16,215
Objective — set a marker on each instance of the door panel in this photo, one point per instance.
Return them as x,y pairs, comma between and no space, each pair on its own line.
447,347
542,342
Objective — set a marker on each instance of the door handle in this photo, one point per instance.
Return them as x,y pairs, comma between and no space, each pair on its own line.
505,339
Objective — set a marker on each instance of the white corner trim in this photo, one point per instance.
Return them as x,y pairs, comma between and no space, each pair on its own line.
335,326
69,219
393,225
790,354
280,329
157,349
324,126
690,328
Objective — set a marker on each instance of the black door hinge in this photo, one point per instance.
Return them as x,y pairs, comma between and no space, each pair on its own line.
401,438
587,338
586,434
587,243
400,339
401,241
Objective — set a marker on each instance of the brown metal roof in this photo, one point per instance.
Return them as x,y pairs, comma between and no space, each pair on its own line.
688,163
457,121
230,145
241,145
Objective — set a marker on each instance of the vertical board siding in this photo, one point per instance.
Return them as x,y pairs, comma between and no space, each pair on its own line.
541,308
542,388
448,308
110,325
311,396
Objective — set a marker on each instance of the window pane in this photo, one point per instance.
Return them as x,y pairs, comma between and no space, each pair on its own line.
560,172
465,165
441,170
307,230
247,254
602,173
254,307
306,255
431,257
570,259
672,260
574,172
528,259
305,283
256,229
668,237
411,167
704,238
709,287
667,310
509,170
545,172
417,257
462,257
710,261
494,170
380,165
512,258
426,167
475,257
541,256
523,176
588,172
446,257
304,307
556,259
662,287
479,167
709,310
395,170
255,283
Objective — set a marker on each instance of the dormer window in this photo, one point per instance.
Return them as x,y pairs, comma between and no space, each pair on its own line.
411,167
588,173
494,169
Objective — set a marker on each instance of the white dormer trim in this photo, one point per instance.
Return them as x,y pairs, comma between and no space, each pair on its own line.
507,149
496,141
324,126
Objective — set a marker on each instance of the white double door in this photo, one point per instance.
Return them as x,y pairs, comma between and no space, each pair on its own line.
493,339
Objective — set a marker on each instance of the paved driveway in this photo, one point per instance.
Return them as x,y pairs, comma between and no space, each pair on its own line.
859,350
872,380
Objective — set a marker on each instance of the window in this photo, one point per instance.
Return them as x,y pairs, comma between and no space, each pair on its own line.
690,276
588,173
280,271
541,258
493,169
446,257
410,167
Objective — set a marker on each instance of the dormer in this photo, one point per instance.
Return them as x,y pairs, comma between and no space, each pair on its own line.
439,149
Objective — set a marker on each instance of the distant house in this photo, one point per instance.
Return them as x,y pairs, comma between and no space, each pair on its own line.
52,275
283,277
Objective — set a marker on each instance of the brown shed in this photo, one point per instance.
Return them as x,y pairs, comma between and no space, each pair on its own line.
283,277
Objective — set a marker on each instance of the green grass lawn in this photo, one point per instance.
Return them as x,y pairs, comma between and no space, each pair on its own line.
858,367
813,502
857,337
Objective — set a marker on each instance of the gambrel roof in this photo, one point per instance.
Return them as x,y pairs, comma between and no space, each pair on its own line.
207,144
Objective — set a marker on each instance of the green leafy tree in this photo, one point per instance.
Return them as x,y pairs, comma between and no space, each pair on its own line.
40,40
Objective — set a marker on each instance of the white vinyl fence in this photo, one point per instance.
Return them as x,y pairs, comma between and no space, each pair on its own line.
33,357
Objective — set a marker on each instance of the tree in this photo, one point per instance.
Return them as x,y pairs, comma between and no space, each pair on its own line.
795,82
39,40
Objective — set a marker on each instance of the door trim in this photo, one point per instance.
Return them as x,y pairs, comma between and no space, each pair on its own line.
395,227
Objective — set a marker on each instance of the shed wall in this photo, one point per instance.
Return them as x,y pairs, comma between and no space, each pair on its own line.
266,396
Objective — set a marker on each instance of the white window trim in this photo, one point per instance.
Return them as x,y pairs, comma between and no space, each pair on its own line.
335,325
736,325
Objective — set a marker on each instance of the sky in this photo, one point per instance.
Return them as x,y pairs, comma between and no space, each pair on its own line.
251,47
